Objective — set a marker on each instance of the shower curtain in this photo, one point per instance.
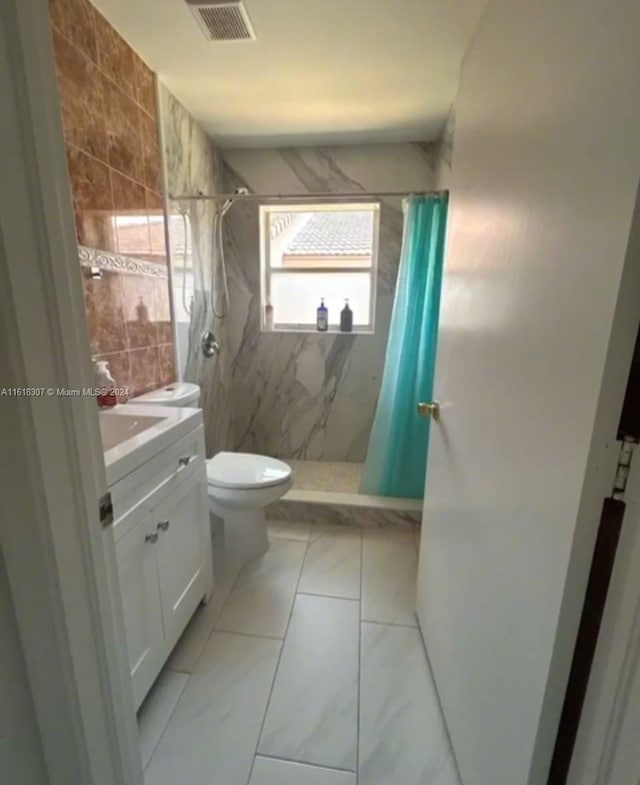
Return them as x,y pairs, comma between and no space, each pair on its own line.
397,454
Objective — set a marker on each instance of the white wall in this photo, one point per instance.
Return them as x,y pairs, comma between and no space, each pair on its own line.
539,321
20,753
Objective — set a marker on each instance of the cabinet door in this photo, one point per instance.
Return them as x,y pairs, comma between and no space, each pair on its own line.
182,522
138,570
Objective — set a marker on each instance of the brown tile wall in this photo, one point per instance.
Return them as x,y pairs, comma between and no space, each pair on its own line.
108,107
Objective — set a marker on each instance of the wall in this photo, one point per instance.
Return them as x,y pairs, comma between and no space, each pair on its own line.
445,150
108,106
20,749
193,165
307,395
539,319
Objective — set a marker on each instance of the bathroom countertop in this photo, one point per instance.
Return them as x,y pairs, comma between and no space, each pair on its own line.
135,450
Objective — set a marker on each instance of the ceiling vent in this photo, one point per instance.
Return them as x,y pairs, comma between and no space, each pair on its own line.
223,20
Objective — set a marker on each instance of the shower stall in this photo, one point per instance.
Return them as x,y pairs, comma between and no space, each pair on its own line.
307,398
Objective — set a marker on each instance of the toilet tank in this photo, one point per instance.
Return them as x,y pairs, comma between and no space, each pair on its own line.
182,394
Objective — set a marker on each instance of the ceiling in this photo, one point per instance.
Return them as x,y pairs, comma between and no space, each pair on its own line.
320,71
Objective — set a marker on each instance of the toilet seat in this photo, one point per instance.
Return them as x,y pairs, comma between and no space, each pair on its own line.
244,471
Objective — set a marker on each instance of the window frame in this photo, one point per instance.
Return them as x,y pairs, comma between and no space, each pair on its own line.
267,269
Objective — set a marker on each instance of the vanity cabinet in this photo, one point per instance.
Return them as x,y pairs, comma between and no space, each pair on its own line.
138,573
180,552
163,553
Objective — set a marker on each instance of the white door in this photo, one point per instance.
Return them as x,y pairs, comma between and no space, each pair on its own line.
537,330
181,522
139,586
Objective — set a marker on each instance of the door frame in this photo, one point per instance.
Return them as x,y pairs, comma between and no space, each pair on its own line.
611,712
60,562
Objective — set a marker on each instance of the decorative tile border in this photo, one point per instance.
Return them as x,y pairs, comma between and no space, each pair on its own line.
91,257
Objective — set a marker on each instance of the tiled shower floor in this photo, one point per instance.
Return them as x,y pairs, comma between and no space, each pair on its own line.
337,477
307,668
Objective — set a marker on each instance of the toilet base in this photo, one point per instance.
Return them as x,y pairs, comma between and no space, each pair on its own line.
245,534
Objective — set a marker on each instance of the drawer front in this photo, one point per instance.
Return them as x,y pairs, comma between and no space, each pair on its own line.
154,480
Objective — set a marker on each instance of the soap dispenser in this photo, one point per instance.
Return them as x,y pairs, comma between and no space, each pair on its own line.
346,318
322,317
105,384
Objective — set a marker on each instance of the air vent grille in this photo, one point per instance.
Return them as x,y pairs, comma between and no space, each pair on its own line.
223,21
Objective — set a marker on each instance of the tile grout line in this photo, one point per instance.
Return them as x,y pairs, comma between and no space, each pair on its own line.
275,672
390,624
189,675
328,596
218,614
306,763
245,635
166,725
440,709
102,72
206,643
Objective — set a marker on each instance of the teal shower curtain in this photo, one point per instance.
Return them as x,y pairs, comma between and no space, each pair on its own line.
397,455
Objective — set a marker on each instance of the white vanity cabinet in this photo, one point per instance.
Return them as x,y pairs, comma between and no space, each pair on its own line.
180,552
163,552
138,573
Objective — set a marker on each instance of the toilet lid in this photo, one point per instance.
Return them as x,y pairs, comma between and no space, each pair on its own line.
178,394
244,470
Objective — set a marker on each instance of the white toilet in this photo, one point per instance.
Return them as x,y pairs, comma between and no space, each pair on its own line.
240,485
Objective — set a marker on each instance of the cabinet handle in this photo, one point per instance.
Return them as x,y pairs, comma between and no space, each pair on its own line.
152,537
163,526
185,460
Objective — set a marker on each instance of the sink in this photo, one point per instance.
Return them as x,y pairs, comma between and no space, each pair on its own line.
132,435
116,428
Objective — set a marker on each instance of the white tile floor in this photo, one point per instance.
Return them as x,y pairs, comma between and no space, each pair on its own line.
307,668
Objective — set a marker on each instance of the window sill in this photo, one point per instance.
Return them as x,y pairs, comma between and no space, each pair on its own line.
309,330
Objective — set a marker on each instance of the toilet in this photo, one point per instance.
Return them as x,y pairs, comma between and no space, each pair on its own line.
240,485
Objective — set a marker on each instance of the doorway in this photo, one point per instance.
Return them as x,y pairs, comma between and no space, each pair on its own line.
602,565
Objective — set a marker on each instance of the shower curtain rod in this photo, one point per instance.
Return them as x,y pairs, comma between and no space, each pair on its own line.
295,197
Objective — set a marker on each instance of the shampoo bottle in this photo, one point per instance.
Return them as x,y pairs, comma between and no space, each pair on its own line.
322,317
268,315
346,318
142,312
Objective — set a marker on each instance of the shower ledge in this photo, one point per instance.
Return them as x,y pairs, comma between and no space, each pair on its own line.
354,500
347,509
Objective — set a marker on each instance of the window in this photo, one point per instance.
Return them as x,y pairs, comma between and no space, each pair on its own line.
319,251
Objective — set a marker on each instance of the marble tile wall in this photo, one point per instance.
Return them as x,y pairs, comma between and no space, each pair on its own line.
333,508
445,150
193,165
108,108
303,395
